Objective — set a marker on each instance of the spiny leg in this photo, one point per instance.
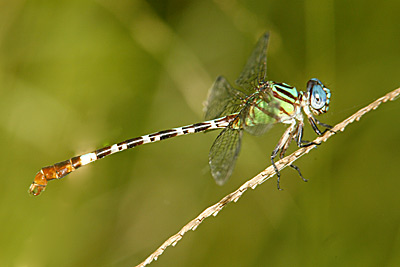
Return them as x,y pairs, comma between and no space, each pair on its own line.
327,126
299,138
278,174
299,172
283,145
286,137
299,133
313,121
304,143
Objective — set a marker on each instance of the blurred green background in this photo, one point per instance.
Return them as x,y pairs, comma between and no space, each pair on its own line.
77,75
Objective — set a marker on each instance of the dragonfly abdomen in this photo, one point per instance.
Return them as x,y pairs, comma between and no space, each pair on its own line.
63,168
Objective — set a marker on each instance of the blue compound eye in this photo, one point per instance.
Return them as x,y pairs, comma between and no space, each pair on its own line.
318,97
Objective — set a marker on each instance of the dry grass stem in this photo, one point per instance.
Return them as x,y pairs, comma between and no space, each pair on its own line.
265,175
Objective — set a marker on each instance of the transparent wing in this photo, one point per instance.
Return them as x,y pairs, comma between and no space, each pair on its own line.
255,69
260,113
222,100
258,129
223,154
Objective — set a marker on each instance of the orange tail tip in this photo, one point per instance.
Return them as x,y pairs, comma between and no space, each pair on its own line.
36,189
39,184
56,171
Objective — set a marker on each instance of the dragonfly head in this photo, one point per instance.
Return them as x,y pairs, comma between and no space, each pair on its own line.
318,95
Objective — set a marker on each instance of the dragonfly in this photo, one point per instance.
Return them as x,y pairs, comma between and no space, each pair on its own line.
254,106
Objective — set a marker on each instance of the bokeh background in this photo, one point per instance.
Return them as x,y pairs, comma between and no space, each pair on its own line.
77,75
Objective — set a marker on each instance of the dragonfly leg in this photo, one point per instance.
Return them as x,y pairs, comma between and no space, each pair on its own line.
278,174
305,143
299,134
323,124
299,139
314,125
313,121
298,130
282,145
299,172
327,126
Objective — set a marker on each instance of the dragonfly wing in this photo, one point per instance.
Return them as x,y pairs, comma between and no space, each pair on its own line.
255,69
258,129
223,154
222,99
260,114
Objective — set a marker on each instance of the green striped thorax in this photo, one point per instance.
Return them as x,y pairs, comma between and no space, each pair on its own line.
287,96
279,102
316,98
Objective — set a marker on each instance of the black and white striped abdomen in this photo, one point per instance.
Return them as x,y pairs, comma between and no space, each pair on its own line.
61,169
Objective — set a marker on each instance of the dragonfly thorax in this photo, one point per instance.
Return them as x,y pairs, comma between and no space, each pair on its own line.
288,99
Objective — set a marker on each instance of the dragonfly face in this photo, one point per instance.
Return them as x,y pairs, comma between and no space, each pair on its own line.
319,96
